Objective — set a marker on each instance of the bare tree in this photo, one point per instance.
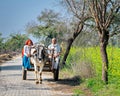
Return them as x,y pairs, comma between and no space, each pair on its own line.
103,12
79,12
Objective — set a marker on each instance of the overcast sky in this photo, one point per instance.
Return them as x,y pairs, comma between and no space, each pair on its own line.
15,14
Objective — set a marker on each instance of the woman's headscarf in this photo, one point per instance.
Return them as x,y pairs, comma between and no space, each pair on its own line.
26,43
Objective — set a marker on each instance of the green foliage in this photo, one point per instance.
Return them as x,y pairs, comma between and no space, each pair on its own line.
109,90
114,64
48,17
1,43
93,56
1,39
15,42
94,84
80,62
50,26
78,92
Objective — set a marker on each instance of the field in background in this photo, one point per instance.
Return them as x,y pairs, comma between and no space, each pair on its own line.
87,63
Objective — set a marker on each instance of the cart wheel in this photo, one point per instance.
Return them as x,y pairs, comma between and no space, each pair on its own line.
24,73
56,74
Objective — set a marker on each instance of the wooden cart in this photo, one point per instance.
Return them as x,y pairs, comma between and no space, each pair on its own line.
47,68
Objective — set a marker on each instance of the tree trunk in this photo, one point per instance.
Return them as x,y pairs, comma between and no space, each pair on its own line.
70,41
103,46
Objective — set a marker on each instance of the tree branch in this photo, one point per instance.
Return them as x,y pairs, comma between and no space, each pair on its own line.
70,6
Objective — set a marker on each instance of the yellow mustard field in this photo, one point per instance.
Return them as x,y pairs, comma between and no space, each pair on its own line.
93,56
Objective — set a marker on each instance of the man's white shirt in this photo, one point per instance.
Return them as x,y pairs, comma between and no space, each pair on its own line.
56,48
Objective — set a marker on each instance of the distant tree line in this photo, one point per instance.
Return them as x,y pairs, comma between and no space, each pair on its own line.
14,43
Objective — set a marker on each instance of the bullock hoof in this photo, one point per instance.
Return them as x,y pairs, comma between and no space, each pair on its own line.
37,82
40,82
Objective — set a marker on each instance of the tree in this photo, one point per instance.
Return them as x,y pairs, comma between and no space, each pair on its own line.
104,13
1,43
15,42
80,13
50,26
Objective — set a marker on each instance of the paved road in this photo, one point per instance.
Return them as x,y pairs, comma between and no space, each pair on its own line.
11,83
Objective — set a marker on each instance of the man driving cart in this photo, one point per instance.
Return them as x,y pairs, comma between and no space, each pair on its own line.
54,53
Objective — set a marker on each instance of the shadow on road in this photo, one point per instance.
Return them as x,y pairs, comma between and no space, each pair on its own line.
76,80
14,67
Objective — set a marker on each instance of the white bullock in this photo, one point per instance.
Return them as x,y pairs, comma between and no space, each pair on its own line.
38,54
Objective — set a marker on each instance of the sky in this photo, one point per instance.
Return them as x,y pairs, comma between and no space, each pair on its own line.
16,14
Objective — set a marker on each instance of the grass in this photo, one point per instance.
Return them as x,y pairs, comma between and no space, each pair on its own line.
78,92
87,63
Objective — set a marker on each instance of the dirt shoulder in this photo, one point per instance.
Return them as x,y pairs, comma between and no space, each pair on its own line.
63,85
7,56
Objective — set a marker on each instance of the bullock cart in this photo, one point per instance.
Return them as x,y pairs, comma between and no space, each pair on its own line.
48,63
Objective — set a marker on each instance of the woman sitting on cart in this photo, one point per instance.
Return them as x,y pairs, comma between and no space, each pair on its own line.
26,54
